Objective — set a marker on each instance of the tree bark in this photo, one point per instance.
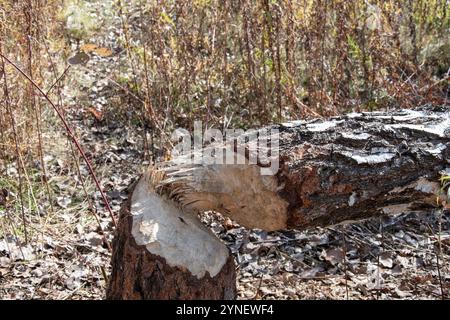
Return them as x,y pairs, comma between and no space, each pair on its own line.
345,168
363,166
139,272
351,167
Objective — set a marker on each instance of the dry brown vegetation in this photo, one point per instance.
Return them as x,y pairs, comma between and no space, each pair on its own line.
228,63
247,63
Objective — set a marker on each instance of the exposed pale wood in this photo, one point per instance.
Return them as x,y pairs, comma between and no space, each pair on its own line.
341,169
163,252
345,168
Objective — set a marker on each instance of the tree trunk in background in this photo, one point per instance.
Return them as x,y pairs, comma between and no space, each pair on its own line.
346,168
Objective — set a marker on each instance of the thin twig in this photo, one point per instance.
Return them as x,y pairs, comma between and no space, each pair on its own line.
70,134
58,79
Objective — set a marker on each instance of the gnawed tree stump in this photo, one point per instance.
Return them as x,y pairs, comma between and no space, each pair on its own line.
352,167
163,252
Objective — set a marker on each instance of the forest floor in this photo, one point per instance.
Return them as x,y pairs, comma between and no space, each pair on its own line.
389,258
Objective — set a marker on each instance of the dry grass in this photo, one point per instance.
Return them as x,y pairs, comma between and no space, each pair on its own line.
228,63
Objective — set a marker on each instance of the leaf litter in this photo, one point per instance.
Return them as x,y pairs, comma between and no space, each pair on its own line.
69,258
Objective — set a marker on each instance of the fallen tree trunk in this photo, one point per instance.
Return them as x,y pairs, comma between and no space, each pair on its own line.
328,171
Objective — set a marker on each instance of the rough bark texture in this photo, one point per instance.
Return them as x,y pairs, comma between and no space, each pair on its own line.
363,165
138,274
345,168
350,167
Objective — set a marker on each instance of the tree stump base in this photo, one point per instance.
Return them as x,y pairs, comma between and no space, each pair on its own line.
138,274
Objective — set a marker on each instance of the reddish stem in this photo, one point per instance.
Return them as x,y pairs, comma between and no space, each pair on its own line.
71,135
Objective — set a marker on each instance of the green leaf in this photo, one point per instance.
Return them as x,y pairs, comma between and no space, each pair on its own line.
167,19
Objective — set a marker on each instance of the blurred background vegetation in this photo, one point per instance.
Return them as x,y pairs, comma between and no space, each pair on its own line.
247,63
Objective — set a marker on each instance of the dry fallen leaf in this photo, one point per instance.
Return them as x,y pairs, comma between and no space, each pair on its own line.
103,52
386,260
63,202
94,239
98,115
79,58
5,262
88,47
334,256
